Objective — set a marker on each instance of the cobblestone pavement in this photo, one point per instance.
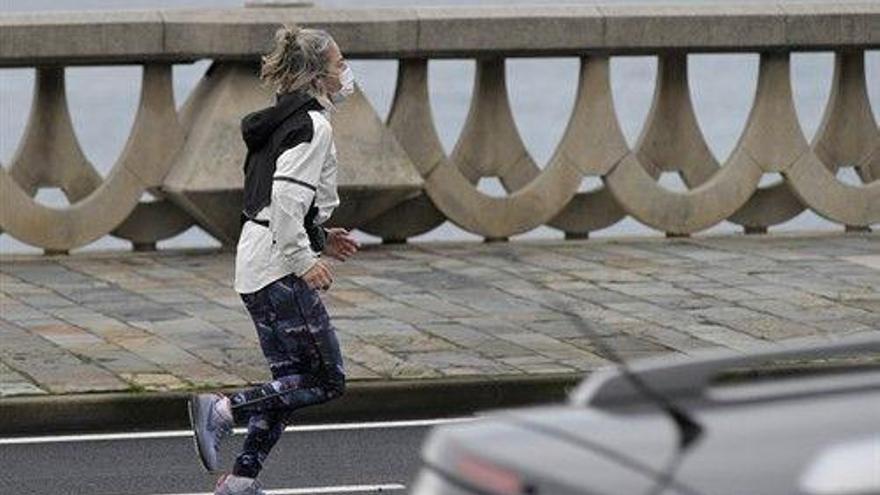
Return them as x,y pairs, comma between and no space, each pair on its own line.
170,320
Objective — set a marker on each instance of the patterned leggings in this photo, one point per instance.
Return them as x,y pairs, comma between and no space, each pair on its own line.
300,344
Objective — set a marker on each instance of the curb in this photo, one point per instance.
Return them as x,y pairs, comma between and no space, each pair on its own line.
363,401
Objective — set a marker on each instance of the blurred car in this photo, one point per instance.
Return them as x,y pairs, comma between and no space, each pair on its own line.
800,420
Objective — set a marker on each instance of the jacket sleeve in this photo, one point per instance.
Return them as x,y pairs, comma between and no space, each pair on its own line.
297,174
327,197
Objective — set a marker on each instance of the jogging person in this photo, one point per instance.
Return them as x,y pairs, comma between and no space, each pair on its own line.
289,192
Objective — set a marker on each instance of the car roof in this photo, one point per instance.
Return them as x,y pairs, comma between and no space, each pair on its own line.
762,446
758,436
694,376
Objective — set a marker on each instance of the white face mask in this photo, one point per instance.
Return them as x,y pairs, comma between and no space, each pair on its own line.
346,78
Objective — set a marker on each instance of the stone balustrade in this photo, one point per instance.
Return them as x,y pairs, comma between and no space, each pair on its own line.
396,180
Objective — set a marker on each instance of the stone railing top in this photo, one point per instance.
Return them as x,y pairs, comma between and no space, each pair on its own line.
103,37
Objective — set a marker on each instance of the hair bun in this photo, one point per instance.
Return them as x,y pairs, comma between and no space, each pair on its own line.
287,34
292,32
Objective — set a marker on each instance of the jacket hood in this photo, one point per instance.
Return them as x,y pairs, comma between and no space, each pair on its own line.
258,127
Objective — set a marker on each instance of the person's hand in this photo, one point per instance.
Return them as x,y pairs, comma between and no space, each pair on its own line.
340,244
319,276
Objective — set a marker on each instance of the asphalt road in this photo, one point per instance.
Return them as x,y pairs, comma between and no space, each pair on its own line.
333,459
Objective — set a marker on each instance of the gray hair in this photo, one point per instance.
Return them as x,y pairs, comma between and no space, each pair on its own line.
298,61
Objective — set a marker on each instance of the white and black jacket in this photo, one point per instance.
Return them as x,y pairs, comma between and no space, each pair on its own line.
290,184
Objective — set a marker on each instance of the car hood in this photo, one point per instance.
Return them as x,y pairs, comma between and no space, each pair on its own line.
560,450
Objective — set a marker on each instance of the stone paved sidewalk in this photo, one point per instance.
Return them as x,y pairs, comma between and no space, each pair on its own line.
170,320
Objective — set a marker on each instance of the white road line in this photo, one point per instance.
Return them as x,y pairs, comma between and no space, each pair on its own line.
238,431
324,489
